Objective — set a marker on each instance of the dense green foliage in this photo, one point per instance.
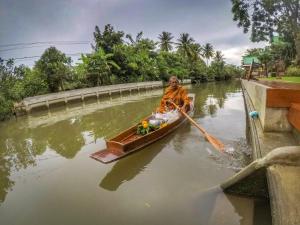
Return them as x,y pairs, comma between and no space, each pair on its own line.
276,57
293,71
116,58
54,68
276,21
265,17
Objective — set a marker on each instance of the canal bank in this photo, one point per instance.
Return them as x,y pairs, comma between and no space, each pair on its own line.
67,97
274,136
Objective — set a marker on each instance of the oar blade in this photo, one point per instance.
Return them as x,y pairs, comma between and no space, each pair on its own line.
215,142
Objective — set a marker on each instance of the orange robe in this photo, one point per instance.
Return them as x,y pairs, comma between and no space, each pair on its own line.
178,96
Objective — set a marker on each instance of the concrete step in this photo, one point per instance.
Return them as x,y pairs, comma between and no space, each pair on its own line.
284,191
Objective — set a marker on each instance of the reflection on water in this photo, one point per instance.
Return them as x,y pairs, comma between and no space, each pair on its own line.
220,208
44,157
21,141
71,112
121,172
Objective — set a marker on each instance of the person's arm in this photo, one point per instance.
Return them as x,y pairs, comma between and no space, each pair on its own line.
163,103
186,101
162,106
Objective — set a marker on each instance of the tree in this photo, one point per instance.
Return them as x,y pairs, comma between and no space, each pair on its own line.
196,52
138,38
146,44
11,80
141,43
33,84
265,57
5,107
219,57
208,52
108,39
6,69
11,86
171,63
121,55
98,67
6,82
184,45
233,71
264,17
198,71
297,46
54,66
165,41
282,51
218,65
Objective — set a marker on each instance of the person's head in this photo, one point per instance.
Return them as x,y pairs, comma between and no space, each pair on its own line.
173,82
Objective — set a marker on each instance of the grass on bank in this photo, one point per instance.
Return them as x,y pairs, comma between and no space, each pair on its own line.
283,79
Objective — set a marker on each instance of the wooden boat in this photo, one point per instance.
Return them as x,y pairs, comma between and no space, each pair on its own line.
129,141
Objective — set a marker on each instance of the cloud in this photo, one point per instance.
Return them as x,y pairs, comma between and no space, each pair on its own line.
74,20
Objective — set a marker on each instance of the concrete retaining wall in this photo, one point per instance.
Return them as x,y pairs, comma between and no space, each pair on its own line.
66,96
272,119
276,154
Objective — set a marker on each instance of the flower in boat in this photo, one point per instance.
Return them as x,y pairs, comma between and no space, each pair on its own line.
163,125
145,127
145,124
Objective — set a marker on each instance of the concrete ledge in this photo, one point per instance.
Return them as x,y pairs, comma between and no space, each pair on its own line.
264,142
288,156
284,190
65,96
272,119
253,126
186,81
277,175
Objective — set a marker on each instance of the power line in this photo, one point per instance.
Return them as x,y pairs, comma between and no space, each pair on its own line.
42,42
43,45
38,56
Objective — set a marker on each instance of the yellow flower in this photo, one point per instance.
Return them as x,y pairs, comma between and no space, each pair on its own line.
145,124
163,125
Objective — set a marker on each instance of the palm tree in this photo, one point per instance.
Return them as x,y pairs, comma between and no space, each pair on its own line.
208,52
165,41
138,38
265,57
184,44
219,57
195,51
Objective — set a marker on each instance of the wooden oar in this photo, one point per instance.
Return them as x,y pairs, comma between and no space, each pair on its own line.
215,142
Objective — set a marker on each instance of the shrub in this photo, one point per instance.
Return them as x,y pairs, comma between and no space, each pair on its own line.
5,108
33,84
293,71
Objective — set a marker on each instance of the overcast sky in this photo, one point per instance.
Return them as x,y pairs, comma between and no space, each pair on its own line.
23,21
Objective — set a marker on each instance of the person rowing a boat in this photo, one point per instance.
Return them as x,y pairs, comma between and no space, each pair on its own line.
175,93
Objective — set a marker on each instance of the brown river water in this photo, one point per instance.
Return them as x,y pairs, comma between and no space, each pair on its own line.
47,177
